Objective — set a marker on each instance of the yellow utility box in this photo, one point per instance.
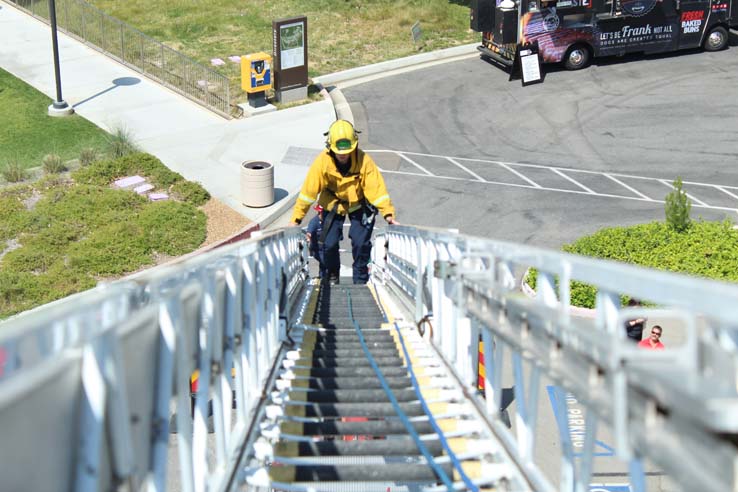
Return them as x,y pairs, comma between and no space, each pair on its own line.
256,72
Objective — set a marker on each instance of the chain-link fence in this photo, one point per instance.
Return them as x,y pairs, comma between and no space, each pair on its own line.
137,50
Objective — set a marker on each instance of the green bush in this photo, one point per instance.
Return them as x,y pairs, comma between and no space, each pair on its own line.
151,167
173,228
53,164
120,143
14,218
104,172
87,156
100,173
19,291
677,208
190,192
14,172
706,249
115,249
89,206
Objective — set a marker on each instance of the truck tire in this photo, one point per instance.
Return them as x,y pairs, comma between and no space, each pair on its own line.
577,57
716,39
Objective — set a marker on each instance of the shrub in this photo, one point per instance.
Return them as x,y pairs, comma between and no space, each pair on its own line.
706,249
13,218
677,208
87,156
53,164
120,143
190,192
88,206
173,228
103,173
14,172
19,291
151,167
114,249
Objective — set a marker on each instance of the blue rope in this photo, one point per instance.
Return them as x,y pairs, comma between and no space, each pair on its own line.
396,405
454,460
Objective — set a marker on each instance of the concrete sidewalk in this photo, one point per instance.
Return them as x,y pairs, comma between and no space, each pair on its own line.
189,139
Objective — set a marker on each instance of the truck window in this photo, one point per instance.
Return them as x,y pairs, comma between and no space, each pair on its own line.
577,20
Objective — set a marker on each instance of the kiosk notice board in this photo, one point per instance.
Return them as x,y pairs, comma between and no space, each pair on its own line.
527,64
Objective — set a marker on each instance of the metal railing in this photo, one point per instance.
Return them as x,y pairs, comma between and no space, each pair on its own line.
675,408
136,50
88,384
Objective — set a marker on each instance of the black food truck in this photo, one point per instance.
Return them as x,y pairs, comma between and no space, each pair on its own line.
573,31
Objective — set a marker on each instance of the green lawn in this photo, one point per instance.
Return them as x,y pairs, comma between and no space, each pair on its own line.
341,33
28,132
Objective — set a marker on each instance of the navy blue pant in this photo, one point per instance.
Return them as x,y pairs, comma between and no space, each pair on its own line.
361,245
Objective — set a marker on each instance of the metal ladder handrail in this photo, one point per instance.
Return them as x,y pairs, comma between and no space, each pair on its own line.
466,287
112,361
104,368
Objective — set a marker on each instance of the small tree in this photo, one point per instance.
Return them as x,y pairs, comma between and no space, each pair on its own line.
677,208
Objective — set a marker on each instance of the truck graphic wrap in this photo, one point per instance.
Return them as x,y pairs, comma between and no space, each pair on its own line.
553,34
573,31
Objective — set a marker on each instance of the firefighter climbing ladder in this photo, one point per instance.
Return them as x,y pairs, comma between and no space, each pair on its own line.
315,387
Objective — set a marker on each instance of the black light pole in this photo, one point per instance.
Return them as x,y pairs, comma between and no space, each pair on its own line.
59,107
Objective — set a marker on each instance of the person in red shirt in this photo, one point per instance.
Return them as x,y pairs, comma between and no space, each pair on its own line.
653,342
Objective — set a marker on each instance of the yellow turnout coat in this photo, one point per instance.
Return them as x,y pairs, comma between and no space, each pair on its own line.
326,184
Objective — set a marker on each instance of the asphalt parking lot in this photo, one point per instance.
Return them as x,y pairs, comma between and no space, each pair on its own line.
463,147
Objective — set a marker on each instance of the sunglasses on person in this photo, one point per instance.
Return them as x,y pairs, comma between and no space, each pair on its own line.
343,144
656,332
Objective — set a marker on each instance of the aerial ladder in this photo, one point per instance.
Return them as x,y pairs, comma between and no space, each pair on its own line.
307,386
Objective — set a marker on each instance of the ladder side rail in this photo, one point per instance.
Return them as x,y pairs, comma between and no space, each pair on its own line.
560,345
195,314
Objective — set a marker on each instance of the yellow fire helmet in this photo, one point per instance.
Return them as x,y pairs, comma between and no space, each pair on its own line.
342,138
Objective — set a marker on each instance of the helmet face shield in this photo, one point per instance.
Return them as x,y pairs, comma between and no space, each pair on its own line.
342,137
344,144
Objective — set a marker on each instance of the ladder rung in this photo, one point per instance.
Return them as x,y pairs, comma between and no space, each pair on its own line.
372,447
383,472
364,428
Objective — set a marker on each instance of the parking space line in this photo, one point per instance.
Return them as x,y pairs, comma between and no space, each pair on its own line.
693,198
520,175
479,178
721,188
557,171
510,166
627,186
416,164
542,188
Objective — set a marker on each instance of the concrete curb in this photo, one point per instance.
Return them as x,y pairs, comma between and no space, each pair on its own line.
341,105
391,67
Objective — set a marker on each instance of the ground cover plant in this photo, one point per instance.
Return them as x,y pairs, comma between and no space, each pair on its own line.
29,133
341,33
64,233
705,249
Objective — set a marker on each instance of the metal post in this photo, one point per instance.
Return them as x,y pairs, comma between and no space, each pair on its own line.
58,107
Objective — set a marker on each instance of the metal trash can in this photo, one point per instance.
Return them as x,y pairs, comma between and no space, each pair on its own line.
257,184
